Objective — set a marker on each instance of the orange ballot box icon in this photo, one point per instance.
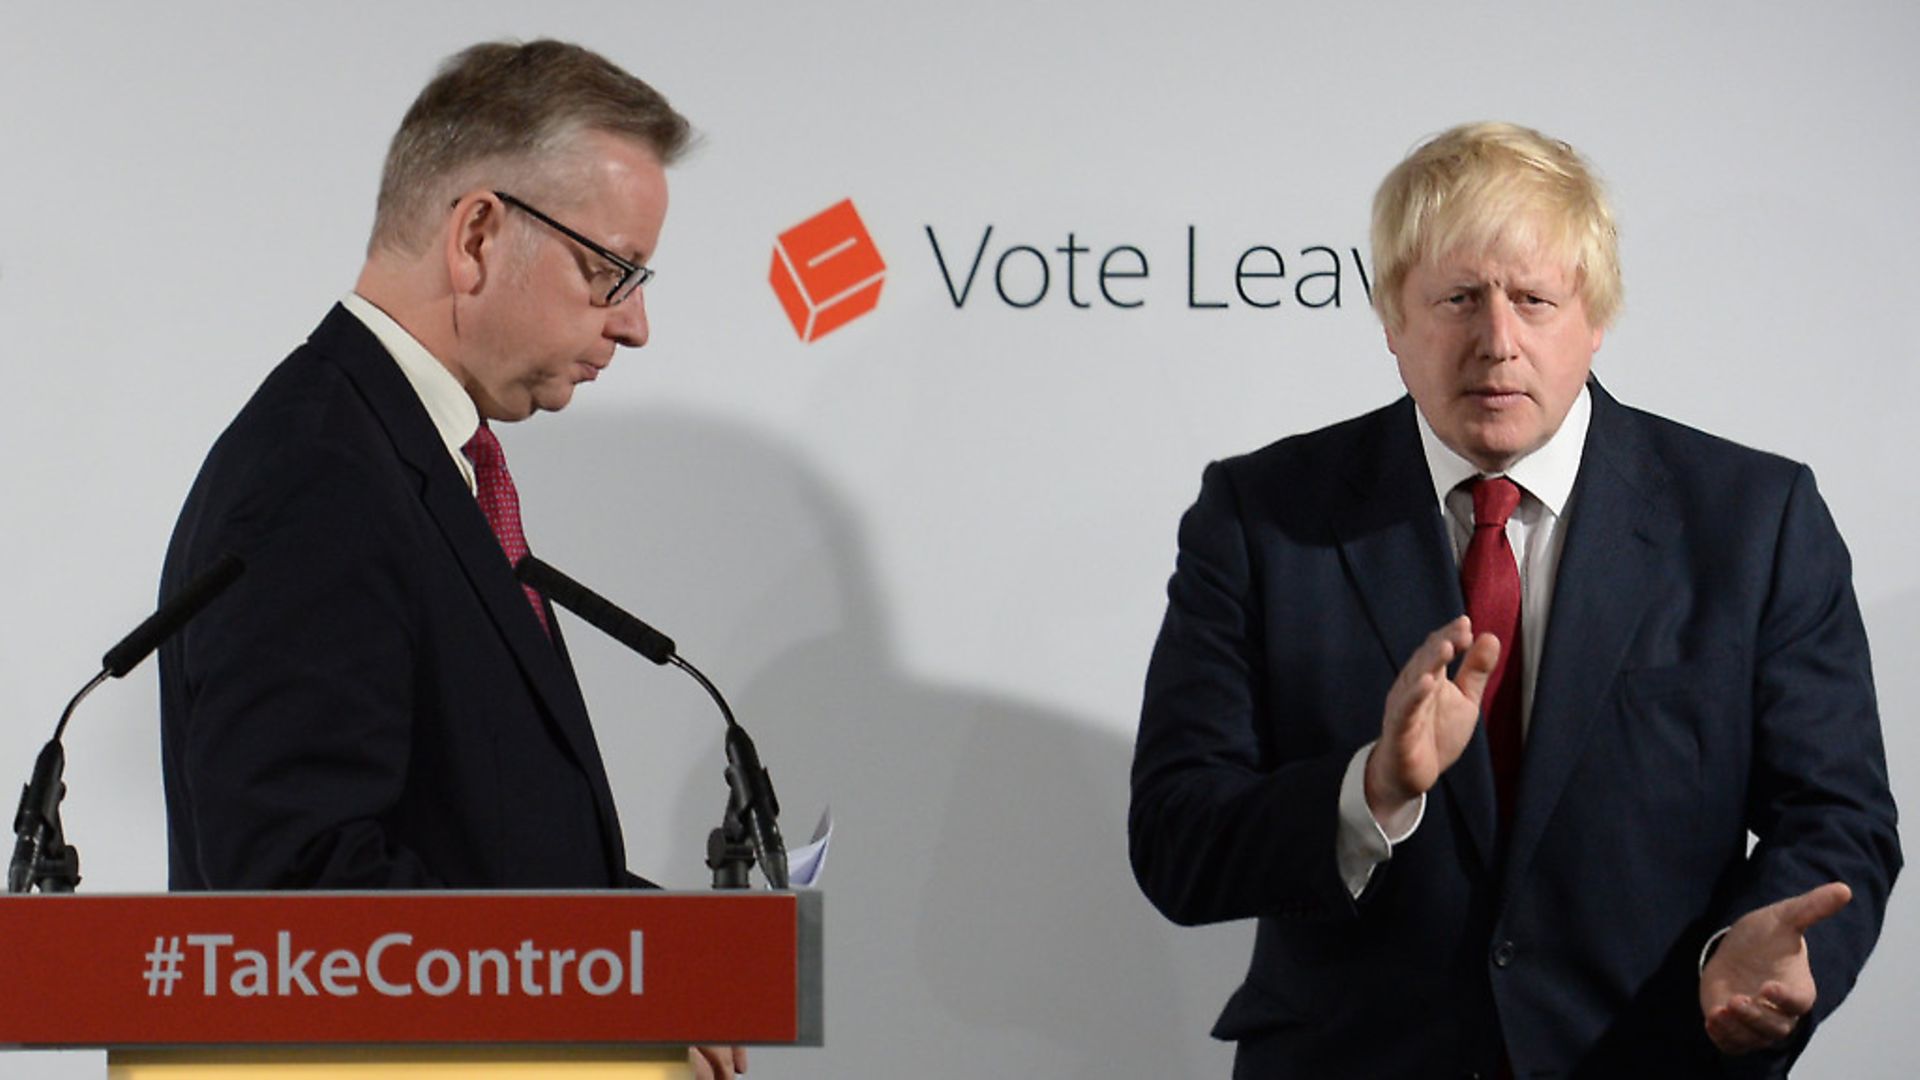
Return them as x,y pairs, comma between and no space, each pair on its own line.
826,271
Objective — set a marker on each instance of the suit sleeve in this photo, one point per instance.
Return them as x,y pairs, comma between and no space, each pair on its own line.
302,717
1818,797
1219,827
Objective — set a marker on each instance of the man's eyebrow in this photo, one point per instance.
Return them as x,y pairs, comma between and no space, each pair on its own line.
1534,284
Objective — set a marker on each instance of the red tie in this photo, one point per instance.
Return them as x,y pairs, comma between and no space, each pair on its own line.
1491,581
493,486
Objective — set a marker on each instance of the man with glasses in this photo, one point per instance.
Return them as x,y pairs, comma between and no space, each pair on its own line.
380,704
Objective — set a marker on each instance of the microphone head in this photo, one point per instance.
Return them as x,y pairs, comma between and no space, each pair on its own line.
595,609
172,615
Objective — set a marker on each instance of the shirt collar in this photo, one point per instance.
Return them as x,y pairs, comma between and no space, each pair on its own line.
453,413
1547,474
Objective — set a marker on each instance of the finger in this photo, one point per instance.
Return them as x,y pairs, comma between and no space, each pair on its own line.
1410,696
712,1062
1734,1030
1765,1026
1417,681
1477,667
740,1059
1786,1000
1726,1032
1803,911
1436,652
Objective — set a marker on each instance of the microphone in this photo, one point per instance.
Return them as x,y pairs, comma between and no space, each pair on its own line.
752,787
41,854
596,609
172,615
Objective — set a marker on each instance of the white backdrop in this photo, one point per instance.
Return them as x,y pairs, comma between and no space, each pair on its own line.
925,554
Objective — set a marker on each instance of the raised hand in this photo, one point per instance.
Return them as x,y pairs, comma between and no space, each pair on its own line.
1429,718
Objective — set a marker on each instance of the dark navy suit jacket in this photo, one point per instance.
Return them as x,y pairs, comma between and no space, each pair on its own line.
373,704
1705,674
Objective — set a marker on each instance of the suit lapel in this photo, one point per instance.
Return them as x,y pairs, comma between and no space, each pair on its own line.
1394,545
453,509
1609,568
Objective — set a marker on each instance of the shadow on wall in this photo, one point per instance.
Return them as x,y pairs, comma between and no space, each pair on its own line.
980,912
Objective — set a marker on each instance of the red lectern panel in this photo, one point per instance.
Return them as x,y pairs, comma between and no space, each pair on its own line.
321,968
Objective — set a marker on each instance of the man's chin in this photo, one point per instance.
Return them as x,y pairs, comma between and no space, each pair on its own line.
1495,447
1496,455
551,399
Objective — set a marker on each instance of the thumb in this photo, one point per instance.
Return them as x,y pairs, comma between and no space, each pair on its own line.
1810,907
1477,667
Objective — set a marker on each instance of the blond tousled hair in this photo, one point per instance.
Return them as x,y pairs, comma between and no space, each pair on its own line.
1495,188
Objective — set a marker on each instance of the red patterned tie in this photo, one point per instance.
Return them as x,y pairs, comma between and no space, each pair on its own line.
493,486
1491,581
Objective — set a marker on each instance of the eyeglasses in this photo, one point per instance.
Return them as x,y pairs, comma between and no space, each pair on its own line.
632,275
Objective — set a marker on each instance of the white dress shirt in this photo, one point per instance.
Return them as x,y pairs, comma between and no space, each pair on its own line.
453,413
1536,532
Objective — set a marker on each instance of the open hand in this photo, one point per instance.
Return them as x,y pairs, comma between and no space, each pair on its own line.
1758,983
1429,718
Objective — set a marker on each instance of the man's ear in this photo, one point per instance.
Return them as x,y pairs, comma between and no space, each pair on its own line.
471,239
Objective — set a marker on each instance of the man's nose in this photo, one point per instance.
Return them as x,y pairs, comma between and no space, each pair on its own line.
1499,327
627,320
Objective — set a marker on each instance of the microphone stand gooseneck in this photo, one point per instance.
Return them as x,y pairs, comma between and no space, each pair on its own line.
750,828
42,858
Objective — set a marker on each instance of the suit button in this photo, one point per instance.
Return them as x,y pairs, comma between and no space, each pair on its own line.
1503,954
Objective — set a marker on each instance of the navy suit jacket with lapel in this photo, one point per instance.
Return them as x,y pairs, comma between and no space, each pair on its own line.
1705,673
373,704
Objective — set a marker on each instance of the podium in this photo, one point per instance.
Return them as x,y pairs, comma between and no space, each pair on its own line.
487,985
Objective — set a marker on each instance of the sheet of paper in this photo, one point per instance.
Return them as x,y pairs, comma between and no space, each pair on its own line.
806,862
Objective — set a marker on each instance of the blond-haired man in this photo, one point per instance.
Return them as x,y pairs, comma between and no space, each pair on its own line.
1474,700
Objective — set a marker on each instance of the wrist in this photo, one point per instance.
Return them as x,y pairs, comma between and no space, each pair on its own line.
1386,801
1712,946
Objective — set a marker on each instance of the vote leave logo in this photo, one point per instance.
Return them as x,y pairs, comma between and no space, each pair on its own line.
826,271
